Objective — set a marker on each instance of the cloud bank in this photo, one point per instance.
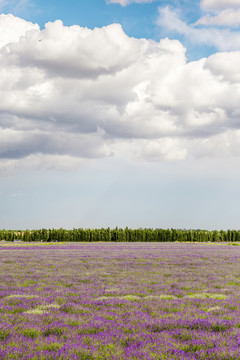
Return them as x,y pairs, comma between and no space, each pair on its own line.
70,95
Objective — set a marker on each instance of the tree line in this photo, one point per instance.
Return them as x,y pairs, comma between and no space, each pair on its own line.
120,235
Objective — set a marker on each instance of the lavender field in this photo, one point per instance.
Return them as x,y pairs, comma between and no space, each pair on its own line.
120,301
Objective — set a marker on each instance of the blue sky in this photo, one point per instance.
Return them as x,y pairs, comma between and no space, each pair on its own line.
119,113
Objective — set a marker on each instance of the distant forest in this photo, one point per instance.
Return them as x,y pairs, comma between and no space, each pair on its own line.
120,235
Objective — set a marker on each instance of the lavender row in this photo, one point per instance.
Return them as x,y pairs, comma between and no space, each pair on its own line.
120,301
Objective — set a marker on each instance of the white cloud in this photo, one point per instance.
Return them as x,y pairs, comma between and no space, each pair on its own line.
222,39
63,102
40,161
165,149
225,66
228,17
12,28
128,2
74,51
215,5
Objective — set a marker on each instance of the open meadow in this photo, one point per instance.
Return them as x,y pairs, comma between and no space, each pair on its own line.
119,301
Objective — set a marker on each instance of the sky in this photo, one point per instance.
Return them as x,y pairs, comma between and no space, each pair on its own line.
119,113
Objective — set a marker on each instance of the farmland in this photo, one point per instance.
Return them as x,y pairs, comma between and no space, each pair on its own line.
119,301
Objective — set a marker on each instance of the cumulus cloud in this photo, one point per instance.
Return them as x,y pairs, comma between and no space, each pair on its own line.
64,101
13,28
74,51
128,2
225,66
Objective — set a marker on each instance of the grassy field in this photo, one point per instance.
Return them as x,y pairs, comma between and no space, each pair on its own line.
119,301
